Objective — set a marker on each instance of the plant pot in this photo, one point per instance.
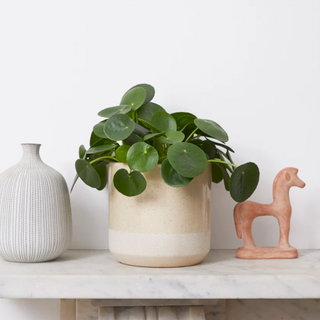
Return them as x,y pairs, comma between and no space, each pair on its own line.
35,212
162,227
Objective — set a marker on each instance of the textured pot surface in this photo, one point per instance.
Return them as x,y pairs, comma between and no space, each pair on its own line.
35,211
162,227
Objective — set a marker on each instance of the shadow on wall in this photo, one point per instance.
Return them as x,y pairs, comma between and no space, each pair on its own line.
90,218
223,234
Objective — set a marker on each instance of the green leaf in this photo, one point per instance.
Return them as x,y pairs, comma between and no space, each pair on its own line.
94,139
82,151
164,121
119,127
188,159
148,110
101,148
149,91
159,147
132,139
226,177
188,129
153,135
98,130
134,98
142,157
179,115
244,181
87,173
172,177
121,153
172,137
229,156
74,182
129,184
212,129
216,173
207,146
103,174
183,119
108,112
222,145
148,125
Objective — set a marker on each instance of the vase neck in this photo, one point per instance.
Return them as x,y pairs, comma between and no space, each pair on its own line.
31,152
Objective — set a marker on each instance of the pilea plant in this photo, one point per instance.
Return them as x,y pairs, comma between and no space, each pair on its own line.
142,134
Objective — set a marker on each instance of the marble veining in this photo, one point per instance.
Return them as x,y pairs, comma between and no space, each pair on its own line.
95,274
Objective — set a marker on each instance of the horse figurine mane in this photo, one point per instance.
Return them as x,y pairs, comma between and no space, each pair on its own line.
245,212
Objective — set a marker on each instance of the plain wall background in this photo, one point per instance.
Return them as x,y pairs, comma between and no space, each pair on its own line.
251,66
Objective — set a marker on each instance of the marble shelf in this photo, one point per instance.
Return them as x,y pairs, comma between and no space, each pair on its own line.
94,274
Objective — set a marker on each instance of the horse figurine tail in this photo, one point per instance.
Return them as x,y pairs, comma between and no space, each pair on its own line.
238,220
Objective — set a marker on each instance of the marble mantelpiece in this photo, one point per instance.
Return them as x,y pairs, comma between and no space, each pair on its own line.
94,274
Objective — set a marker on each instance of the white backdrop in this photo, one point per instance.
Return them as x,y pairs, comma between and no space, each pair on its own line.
251,66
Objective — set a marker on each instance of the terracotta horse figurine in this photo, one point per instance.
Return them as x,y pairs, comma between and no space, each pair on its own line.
245,212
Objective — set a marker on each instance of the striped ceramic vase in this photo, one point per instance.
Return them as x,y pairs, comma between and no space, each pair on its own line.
35,212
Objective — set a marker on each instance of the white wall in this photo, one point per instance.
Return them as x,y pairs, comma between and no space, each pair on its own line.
252,66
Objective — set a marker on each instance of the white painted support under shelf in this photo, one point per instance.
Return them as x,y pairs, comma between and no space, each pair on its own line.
95,274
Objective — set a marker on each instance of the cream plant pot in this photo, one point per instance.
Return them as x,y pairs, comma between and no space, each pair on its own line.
162,227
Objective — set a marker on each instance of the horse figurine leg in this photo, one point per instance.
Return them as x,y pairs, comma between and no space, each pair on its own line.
284,227
243,224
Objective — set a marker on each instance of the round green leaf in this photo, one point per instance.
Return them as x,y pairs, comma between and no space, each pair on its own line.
244,181
87,173
212,129
142,157
129,184
188,159
172,177
121,153
149,91
98,130
119,127
164,121
148,110
216,173
207,146
82,151
172,137
108,112
134,98
101,148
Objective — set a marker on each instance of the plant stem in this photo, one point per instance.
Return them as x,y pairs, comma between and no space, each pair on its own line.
191,134
135,116
104,158
162,158
223,162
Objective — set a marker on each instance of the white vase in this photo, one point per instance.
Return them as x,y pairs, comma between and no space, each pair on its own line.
162,227
35,212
